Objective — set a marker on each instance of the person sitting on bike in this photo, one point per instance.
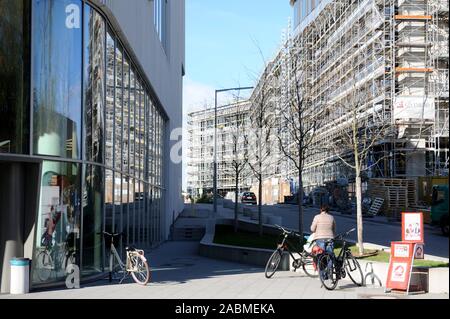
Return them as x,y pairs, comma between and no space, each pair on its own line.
324,228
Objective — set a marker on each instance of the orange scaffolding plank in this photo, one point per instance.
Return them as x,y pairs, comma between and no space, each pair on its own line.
421,70
413,17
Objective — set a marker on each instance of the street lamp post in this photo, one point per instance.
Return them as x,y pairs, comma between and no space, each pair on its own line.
215,138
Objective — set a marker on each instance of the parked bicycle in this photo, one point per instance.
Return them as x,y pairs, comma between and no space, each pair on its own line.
54,259
136,263
307,261
332,268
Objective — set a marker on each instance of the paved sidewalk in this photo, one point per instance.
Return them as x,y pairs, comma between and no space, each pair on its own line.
180,273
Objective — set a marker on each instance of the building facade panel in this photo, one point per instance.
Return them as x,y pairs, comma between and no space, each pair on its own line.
99,132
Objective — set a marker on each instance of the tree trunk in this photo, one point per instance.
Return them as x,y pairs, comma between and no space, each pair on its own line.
260,206
359,216
236,190
300,204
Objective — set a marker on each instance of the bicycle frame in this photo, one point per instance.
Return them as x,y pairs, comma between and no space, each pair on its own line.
126,268
118,259
286,244
339,260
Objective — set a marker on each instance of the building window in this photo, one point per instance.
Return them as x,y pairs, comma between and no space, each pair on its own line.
57,78
14,76
58,222
94,84
159,18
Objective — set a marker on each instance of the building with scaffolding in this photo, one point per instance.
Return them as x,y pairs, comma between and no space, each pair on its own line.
231,149
396,53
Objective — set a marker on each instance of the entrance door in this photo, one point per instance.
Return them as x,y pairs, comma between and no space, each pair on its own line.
19,189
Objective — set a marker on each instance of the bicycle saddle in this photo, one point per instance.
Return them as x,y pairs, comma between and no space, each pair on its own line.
112,235
130,248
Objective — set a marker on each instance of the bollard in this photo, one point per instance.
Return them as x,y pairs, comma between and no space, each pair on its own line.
20,276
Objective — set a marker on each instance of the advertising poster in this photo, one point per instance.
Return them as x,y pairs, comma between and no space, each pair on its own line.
399,271
419,254
412,227
402,250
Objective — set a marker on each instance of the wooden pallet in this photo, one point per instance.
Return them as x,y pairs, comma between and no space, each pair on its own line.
409,184
376,206
398,194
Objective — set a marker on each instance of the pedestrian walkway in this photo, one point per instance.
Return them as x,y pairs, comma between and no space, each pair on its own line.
178,272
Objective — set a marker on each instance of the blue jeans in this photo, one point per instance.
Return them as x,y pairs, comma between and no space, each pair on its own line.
329,249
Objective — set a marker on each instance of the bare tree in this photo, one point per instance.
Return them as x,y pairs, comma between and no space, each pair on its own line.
298,123
238,131
260,137
358,129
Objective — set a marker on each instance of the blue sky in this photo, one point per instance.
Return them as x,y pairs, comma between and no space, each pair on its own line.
223,38
223,43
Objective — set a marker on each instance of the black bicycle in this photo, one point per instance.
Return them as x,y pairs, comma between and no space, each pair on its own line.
307,261
332,268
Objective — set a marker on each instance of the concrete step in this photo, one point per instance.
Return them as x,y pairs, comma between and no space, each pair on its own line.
186,234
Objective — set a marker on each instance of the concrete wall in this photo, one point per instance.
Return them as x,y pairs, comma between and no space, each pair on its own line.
18,208
163,67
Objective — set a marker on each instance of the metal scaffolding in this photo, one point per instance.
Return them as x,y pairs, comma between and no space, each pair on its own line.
396,53
200,169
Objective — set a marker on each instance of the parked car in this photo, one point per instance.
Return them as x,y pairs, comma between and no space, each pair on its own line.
247,198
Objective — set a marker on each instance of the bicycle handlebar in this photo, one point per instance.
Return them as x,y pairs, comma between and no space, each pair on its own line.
291,232
341,236
109,234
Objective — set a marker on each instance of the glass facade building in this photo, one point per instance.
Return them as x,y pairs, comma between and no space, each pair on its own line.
75,104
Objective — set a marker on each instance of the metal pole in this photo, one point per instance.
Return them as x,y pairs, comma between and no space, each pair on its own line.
215,155
215,139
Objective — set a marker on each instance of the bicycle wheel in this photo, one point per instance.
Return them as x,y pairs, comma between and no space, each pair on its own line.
273,263
353,270
44,265
141,271
327,273
309,265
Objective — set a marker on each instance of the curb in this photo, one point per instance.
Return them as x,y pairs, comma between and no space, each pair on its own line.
351,216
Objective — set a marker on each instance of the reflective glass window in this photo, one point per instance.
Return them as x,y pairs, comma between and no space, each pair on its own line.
94,84
109,200
117,220
14,76
57,77
153,145
132,107
140,129
126,208
150,141
133,211
126,116
92,219
58,223
110,93
118,111
152,214
159,17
